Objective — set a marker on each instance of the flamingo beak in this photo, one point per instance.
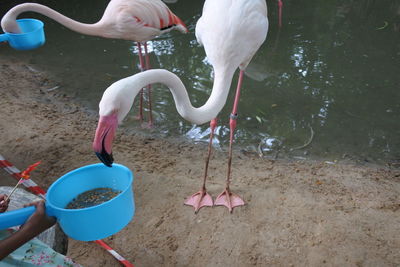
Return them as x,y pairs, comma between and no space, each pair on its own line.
106,158
102,144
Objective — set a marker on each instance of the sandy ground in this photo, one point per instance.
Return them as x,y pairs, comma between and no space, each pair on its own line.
297,213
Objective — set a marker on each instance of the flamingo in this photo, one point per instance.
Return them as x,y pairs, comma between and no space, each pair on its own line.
133,20
230,39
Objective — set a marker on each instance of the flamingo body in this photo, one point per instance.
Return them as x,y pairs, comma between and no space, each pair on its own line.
232,37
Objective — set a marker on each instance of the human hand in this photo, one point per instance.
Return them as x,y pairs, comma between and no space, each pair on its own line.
4,203
39,221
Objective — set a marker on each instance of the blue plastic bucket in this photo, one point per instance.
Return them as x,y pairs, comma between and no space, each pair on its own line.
87,224
32,35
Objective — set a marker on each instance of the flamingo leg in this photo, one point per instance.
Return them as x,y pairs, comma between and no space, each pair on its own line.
202,198
142,67
148,86
227,198
280,4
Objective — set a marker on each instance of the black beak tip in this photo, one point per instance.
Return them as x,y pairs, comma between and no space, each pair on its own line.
106,158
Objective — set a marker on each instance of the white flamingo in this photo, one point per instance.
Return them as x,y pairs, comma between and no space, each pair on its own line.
231,32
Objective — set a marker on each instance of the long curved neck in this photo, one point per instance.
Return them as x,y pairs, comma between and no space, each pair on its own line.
126,89
9,24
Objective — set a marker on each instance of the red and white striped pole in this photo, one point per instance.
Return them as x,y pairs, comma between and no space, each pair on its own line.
37,190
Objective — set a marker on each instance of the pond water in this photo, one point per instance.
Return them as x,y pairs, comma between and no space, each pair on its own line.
324,85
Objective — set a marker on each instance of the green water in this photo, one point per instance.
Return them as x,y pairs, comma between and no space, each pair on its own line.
330,73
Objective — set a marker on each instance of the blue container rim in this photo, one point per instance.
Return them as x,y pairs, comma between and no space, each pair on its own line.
60,180
41,25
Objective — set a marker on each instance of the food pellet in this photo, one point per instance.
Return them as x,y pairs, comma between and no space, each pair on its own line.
92,198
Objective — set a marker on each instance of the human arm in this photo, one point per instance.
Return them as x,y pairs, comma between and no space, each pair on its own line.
36,224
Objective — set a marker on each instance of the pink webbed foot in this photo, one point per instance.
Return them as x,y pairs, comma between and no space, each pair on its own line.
229,200
199,200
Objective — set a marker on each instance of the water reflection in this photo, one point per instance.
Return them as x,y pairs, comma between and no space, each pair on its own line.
157,47
333,68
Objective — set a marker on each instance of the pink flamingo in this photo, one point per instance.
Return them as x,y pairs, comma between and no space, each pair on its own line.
134,20
230,39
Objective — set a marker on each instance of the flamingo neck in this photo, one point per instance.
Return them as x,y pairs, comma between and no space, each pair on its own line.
122,94
9,24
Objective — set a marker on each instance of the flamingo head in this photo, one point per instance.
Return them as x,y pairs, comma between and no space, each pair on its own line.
102,144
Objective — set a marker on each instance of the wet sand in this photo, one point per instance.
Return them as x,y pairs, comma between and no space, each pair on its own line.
297,213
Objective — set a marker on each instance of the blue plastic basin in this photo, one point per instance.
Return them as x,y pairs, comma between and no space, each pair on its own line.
87,224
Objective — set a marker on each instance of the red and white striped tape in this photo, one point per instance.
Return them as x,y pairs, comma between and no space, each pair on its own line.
114,253
16,173
37,190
